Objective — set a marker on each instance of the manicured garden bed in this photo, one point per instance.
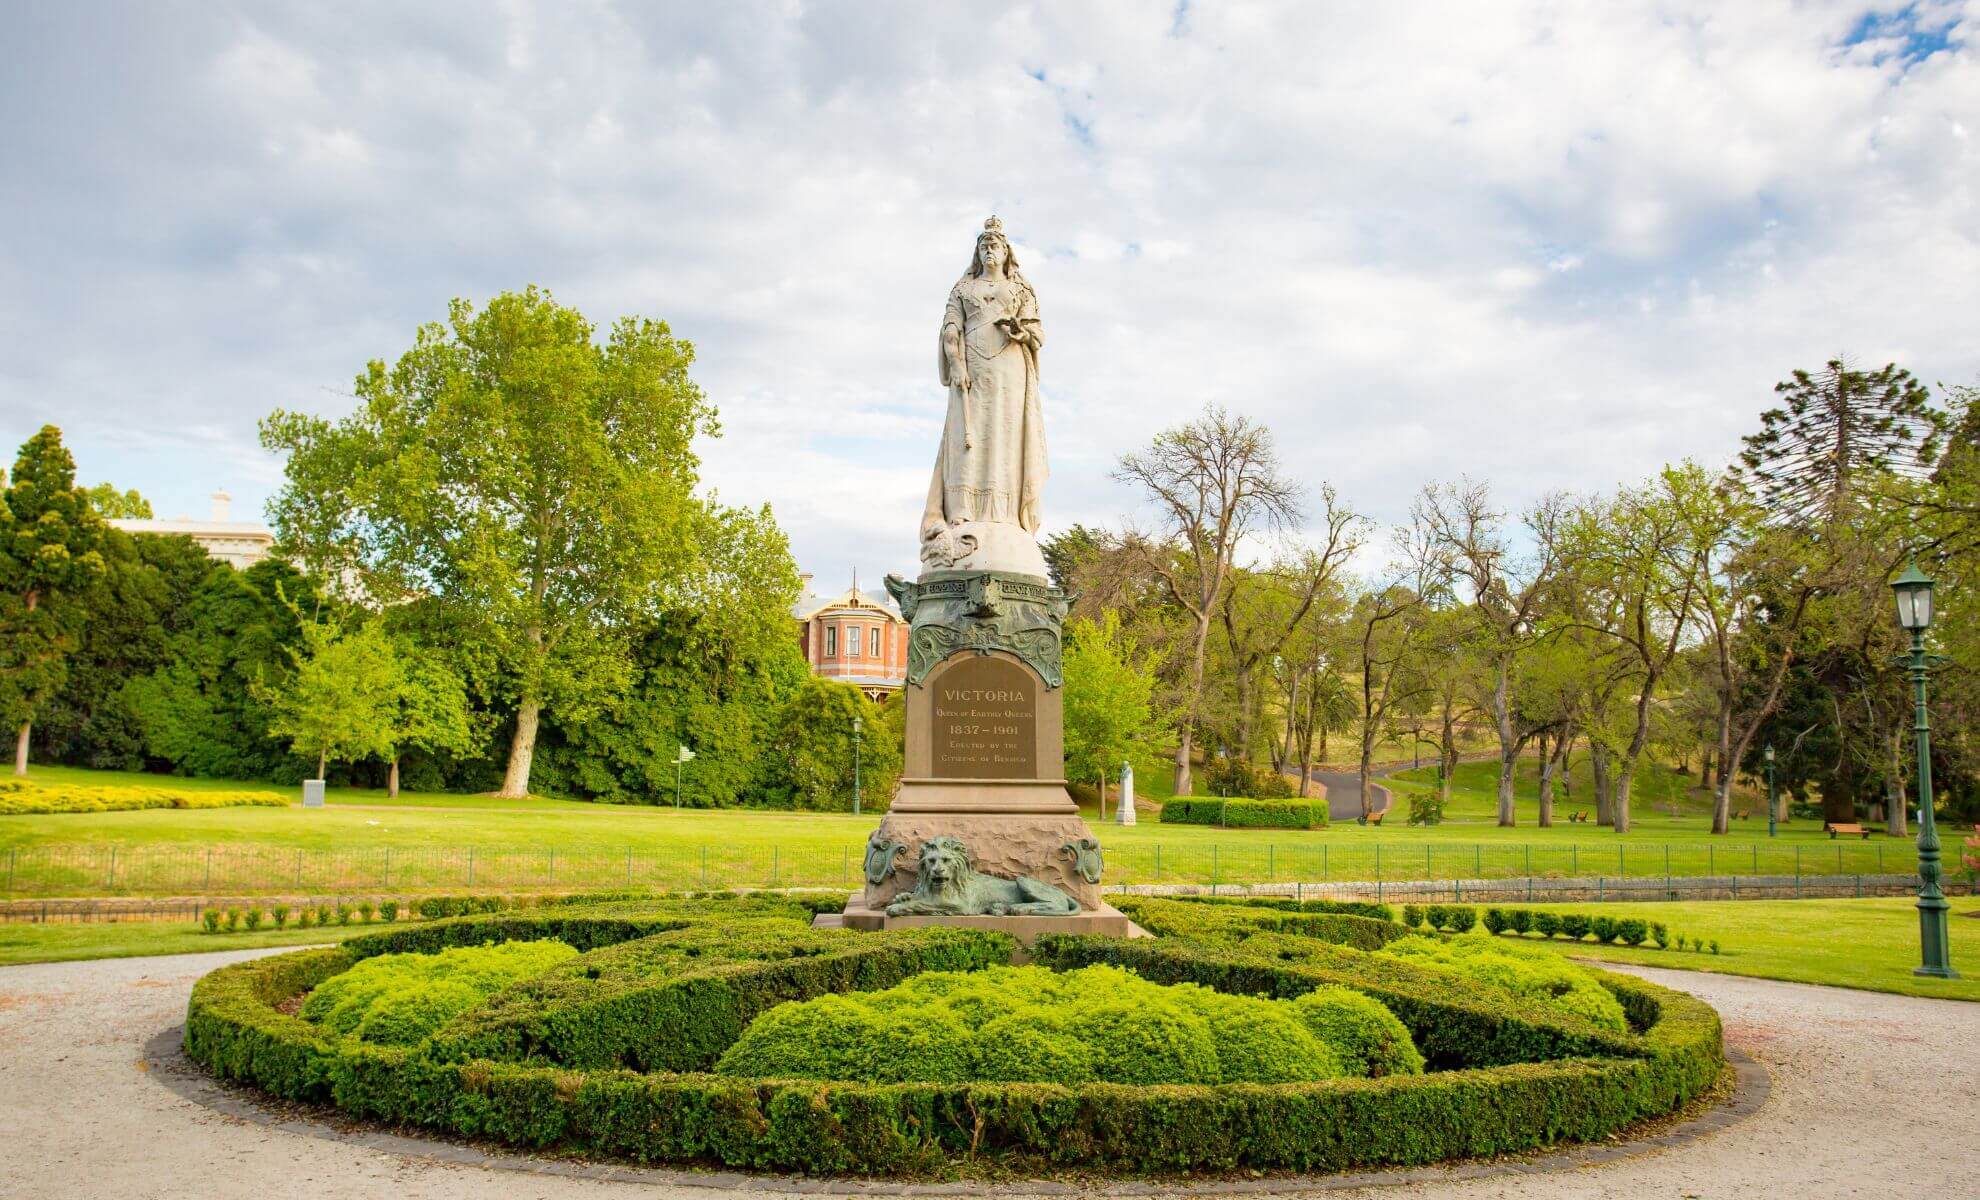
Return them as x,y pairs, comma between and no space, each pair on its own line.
618,1050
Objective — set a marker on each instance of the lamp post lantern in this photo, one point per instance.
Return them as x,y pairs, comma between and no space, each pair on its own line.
857,725
1773,806
681,758
1913,590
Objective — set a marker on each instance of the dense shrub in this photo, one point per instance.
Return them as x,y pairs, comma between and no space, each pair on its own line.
1225,923
399,999
1364,1034
1496,922
1352,908
1412,915
1632,931
22,797
1229,776
1660,934
1605,929
1454,917
1534,975
211,919
1520,920
1244,813
1574,925
1028,1024
1546,924
281,914
1522,1099
435,907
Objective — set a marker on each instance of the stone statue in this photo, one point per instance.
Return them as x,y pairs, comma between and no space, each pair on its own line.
983,501
948,886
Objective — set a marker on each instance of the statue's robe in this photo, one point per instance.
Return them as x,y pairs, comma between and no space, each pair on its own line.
991,466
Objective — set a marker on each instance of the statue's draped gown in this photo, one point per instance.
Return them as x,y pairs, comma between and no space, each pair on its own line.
991,466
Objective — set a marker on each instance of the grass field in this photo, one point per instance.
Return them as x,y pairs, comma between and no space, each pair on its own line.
425,841
1868,944
129,939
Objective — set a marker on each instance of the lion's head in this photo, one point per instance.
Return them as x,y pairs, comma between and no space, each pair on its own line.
944,865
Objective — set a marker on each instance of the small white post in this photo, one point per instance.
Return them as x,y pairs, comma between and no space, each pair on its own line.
312,793
1124,802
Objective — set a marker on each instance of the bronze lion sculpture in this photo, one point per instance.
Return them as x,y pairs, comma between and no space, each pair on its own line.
947,886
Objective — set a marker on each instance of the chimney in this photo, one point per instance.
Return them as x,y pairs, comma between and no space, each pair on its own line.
223,507
804,584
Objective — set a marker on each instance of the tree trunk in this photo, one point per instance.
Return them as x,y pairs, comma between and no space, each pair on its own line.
1552,765
522,750
21,749
1447,756
322,762
1895,815
1722,783
1306,741
1619,802
392,781
1508,746
1186,743
1598,759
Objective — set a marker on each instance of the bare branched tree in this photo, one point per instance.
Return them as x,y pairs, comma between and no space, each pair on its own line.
1214,481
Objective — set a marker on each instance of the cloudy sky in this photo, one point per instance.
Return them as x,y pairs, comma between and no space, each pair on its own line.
1555,244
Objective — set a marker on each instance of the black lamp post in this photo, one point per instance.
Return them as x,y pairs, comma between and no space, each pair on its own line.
1914,605
857,725
1773,806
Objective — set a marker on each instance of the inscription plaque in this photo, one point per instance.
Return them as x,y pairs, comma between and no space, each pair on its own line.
985,717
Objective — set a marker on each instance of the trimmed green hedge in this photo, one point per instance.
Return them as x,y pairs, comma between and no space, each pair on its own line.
1237,812
1592,1083
1352,908
1173,918
21,797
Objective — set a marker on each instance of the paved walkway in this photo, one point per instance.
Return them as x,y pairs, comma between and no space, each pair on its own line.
1871,1097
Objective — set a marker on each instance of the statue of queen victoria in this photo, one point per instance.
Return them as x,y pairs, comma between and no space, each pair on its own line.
983,502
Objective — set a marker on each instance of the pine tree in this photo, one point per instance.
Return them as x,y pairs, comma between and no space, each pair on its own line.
1840,428
49,539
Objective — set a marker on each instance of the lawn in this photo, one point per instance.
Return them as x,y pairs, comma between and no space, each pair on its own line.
128,939
425,841
1868,944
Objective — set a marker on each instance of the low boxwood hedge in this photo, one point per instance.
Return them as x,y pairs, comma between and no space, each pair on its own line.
1237,812
19,797
1177,918
1529,1079
1352,908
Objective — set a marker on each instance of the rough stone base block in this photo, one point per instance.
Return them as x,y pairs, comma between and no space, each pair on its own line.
1003,844
1105,920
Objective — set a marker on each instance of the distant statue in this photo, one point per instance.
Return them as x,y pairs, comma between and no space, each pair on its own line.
948,886
984,499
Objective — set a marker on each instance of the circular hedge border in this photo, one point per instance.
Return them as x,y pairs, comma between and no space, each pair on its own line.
1554,1080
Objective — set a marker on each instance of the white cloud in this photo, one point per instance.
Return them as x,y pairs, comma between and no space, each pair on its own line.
1551,246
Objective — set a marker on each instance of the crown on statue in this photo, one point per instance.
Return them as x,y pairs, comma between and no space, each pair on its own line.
993,225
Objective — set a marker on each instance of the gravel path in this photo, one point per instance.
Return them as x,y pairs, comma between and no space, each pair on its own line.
1872,1096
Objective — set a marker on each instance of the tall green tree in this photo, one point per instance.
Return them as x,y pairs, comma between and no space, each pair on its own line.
1110,709
49,555
428,710
109,502
341,697
521,472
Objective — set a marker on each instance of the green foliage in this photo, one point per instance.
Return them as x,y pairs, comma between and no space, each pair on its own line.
1110,710
49,556
281,914
534,481
1605,929
1028,1024
339,702
1533,975
1454,917
810,758
1543,1077
233,919
24,796
211,920
1496,921
253,919
128,504
1520,920
1362,1033
1412,915
1237,813
1632,931
1234,776
1574,926
1425,808
1201,921
1660,934
400,999
1546,924
388,910
1353,908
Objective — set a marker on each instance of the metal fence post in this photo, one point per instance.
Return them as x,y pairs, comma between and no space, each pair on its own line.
387,880
1478,860
10,870
112,884
1271,862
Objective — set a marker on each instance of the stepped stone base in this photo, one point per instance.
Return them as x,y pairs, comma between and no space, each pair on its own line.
1106,920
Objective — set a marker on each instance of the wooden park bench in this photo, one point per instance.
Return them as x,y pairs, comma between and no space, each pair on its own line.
1837,828
1741,815
1576,818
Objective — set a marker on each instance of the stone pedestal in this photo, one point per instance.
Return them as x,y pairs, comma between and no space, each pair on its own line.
985,755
